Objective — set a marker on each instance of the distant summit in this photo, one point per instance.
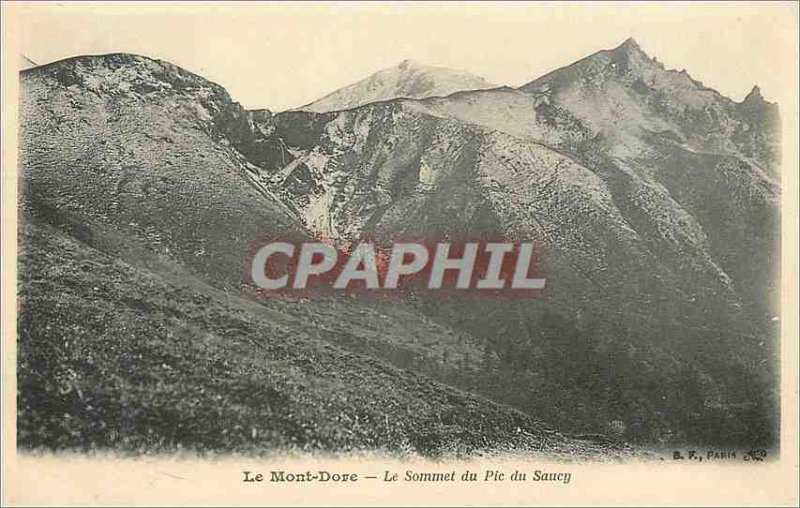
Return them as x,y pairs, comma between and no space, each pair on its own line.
408,79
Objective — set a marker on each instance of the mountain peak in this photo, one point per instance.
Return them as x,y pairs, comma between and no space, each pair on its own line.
630,47
627,59
754,96
630,42
408,79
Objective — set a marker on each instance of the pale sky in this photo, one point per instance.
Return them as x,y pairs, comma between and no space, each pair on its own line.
279,56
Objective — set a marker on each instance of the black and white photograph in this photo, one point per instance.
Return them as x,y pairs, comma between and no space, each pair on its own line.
441,232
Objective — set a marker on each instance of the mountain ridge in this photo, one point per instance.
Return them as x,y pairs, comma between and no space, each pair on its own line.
135,331
677,202
637,223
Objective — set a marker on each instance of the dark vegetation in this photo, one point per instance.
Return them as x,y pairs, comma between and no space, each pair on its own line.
113,356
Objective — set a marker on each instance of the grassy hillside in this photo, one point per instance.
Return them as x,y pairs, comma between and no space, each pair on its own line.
115,356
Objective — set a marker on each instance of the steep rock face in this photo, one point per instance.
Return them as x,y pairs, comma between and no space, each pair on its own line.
759,137
150,148
407,79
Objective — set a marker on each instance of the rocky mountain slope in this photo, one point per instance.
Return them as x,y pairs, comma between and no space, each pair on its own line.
149,148
653,196
624,95
137,204
407,79
661,131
